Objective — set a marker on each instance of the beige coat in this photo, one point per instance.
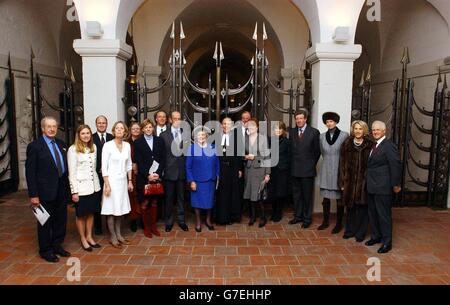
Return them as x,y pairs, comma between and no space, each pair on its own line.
82,174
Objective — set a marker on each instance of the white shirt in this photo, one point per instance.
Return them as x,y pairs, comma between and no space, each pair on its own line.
100,135
244,130
160,129
174,130
225,140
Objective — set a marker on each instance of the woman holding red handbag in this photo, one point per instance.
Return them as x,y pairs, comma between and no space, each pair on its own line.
149,154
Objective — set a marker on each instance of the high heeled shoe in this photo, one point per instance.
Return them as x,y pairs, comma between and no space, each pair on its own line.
210,227
198,230
96,245
88,249
125,241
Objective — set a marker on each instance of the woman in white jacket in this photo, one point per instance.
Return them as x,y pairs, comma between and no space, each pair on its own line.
84,184
117,171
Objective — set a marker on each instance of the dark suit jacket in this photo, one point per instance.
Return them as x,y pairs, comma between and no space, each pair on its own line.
42,174
144,158
175,166
305,152
384,169
99,145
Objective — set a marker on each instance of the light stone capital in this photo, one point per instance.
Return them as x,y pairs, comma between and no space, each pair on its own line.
333,52
103,48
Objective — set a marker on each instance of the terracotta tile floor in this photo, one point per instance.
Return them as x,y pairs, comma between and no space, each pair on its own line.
237,254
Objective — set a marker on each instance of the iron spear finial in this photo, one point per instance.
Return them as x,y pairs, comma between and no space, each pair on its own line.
405,58
361,83
32,53
72,75
66,71
9,59
255,34
182,36
264,32
369,74
222,57
439,80
172,33
215,56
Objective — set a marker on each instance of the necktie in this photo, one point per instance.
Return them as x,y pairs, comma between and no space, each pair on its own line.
103,139
374,148
58,160
300,133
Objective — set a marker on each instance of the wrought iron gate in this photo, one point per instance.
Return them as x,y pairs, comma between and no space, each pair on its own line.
218,98
402,121
9,165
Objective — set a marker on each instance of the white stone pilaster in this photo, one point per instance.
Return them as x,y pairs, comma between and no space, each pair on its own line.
104,73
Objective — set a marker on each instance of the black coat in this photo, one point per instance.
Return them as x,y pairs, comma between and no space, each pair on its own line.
384,169
42,174
99,145
175,166
228,204
144,158
305,152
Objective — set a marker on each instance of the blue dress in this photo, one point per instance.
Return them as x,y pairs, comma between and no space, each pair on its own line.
203,168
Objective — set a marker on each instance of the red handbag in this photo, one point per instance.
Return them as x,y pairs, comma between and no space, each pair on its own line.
153,189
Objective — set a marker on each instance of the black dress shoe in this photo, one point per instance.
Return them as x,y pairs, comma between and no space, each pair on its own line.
62,252
262,223
385,249
372,242
169,228
51,258
306,225
348,236
295,221
97,245
183,227
88,249
359,239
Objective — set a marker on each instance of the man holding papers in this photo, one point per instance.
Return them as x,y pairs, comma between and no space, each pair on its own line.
48,186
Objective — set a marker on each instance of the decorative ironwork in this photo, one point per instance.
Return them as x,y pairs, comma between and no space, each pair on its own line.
179,84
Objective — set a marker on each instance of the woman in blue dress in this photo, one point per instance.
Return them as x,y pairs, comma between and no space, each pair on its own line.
202,171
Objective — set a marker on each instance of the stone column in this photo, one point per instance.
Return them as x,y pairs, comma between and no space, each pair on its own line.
104,73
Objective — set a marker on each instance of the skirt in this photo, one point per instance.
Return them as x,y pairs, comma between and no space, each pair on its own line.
88,205
203,197
330,194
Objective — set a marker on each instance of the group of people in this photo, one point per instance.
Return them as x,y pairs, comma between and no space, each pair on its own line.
107,176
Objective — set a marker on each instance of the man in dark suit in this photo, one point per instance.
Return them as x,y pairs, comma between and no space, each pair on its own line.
383,177
147,149
48,186
161,122
305,152
174,172
100,137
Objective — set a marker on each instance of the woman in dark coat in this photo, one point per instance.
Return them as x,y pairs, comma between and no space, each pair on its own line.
352,180
279,184
149,151
135,214
228,208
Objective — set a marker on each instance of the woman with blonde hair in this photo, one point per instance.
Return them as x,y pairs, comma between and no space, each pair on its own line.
354,158
117,174
84,184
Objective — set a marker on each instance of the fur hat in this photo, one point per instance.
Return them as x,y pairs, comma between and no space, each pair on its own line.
330,116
